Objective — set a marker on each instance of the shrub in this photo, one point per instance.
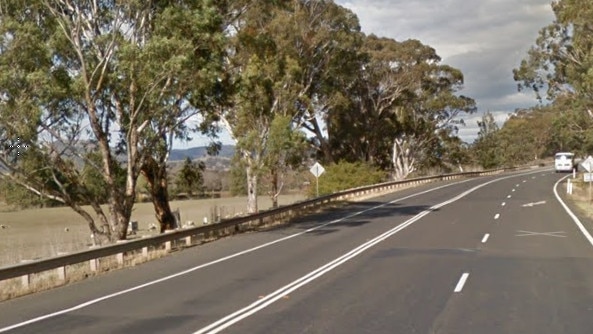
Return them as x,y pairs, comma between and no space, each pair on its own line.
345,175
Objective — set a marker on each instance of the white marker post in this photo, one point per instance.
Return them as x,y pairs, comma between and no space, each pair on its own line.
317,170
588,165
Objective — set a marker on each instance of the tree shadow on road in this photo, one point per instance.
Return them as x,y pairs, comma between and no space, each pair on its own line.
352,215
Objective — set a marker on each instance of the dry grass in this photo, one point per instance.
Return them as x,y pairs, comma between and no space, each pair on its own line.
41,233
580,196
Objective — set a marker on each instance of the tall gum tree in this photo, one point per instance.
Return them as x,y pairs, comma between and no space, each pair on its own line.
401,108
560,62
94,76
269,82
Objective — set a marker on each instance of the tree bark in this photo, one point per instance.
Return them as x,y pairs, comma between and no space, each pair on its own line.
251,190
275,189
156,176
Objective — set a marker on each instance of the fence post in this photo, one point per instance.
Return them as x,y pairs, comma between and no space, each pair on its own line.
26,281
94,263
62,273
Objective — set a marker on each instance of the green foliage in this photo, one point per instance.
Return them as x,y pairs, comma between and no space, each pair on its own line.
19,197
486,147
345,175
560,62
190,178
94,181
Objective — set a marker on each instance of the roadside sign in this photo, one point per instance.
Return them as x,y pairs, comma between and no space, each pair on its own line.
588,164
317,169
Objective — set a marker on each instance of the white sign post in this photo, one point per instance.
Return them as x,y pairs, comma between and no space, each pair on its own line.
588,165
317,170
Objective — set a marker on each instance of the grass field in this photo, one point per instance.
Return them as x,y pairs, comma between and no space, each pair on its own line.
40,233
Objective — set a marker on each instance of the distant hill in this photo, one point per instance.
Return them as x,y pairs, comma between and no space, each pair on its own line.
201,152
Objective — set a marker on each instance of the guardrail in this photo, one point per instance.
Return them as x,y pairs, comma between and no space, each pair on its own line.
168,241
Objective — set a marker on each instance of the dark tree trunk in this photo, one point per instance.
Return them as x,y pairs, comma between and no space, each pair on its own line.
156,176
275,189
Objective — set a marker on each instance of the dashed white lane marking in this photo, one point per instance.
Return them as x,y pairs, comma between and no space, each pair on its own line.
461,282
509,196
496,216
504,203
517,185
524,181
485,238
513,190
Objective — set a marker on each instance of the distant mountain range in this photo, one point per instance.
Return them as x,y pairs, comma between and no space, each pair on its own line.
201,152
220,161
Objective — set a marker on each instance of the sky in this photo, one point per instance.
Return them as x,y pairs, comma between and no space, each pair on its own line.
485,39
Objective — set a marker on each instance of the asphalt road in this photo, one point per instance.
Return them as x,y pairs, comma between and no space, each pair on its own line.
488,255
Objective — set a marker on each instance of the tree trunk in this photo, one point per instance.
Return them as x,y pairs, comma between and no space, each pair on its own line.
403,163
251,190
156,176
275,189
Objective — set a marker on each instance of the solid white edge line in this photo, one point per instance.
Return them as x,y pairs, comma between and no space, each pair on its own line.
461,282
485,238
571,214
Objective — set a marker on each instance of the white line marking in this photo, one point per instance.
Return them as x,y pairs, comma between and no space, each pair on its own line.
513,190
485,238
504,203
496,216
528,205
226,258
524,181
509,196
558,234
461,282
572,215
517,185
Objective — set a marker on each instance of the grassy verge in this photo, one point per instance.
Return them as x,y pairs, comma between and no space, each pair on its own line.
580,196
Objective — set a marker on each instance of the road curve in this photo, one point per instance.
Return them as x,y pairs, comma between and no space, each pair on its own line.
487,255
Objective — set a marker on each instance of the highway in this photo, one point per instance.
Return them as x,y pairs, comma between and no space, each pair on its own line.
497,254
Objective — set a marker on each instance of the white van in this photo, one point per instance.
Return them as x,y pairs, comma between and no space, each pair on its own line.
564,162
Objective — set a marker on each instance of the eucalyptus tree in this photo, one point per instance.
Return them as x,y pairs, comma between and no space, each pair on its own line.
402,106
109,77
325,41
560,62
558,68
486,148
284,57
